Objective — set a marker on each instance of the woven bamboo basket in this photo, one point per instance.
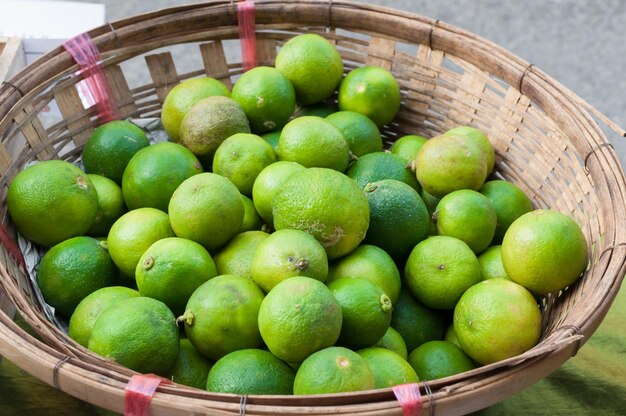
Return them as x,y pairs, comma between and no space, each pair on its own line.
547,140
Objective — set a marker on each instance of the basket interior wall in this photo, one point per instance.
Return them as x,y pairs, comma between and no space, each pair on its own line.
440,90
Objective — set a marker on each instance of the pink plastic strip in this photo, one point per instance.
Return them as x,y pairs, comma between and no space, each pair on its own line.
139,392
247,35
410,399
95,87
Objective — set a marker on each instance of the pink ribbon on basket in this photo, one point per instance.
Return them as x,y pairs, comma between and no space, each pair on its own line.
94,88
247,36
410,398
139,392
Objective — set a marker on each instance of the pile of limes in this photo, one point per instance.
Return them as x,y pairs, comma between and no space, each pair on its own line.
273,246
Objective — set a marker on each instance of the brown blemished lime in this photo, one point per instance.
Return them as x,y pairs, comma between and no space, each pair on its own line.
111,205
544,251
139,333
72,270
479,138
52,201
154,173
208,123
180,98
366,312
236,256
191,368
90,308
171,269
447,163
467,215
111,146
250,371
509,201
206,208
313,142
372,91
268,182
439,270
370,263
287,253
241,158
326,204
221,316
360,132
132,234
333,370
266,96
389,368
438,359
298,317
312,64
496,319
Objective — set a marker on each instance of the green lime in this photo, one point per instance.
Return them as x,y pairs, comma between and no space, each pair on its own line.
544,251
389,368
154,173
90,308
111,146
208,209
268,182
392,340
52,201
479,138
250,371
467,215
221,316
236,256
252,221
110,205
326,204
132,234
370,263
372,91
398,217
366,312
496,319
171,269
333,370
438,359
287,253
509,201
439,270
407,147
139,333
374,167
298,317
360,132
416,322
312,64
313,142
266,96
491,266
241,158
191,368
73,269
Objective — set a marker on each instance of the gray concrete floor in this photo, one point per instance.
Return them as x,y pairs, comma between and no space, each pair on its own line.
581,43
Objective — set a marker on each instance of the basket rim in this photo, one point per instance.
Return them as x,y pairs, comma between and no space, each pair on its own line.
540,87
